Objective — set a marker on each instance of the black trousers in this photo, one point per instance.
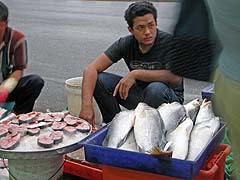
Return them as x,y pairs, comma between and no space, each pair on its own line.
26,92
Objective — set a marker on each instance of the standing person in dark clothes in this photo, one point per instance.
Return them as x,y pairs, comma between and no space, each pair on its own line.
145,52
214,21
23,90
226,99
197,45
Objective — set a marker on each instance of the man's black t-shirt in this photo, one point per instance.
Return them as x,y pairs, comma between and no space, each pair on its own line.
156,58
128,49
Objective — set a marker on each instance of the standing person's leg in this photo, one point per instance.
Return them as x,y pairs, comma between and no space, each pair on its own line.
25,93
157,93
226,100
108,104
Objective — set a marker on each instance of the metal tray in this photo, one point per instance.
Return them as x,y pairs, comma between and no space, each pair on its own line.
29,149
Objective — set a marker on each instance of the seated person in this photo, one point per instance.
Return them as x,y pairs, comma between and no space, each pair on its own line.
23,90
145,52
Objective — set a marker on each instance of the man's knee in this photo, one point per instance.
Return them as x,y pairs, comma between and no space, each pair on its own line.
107,81
100,85
37,82
100,79
32,83
101,76
155,89
104,77
156,94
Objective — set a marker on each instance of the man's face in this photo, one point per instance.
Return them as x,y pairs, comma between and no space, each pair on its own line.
144,29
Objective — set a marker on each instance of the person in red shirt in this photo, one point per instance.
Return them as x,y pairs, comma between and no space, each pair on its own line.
23,90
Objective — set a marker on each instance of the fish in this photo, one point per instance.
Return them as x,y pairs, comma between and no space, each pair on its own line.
148,128
179,139
205,112
172,114
119,128
192,108
130,143
201,135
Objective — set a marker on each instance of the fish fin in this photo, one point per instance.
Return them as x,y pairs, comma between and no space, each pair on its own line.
124,139
122,142
167,146
182,120
105,142
206,102
157,152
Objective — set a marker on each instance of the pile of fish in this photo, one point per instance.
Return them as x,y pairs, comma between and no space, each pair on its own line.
13,128
171,127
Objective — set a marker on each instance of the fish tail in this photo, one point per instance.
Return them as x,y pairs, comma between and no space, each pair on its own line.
157,152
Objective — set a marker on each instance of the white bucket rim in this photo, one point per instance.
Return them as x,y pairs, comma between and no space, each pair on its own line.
67,82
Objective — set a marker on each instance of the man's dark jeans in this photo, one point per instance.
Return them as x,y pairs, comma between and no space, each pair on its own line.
25,93
154,94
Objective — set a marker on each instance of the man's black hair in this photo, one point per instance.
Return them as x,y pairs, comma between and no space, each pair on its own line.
140,8
3,12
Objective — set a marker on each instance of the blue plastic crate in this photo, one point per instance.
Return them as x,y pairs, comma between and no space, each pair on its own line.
208,92
95,152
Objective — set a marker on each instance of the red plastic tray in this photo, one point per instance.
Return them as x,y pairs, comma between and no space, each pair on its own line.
83,169
213,169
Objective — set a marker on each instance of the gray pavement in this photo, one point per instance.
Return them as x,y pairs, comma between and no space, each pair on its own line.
65,35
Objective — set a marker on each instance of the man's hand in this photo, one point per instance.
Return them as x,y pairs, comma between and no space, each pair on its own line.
3,95
124,85
87,113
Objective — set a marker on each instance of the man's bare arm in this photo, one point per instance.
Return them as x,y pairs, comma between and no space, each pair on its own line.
90,73
157,75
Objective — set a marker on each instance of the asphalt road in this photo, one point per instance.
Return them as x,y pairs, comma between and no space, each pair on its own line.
65,35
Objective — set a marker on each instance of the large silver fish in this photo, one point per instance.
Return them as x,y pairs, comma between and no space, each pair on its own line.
119,128
192,108
179,139
130,143
205,112
201,135
148,129
172,114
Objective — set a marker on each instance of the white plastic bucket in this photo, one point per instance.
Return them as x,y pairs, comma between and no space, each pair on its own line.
36,169
74,99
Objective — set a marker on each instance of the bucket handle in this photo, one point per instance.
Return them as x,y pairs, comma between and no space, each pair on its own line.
5,166
57,171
